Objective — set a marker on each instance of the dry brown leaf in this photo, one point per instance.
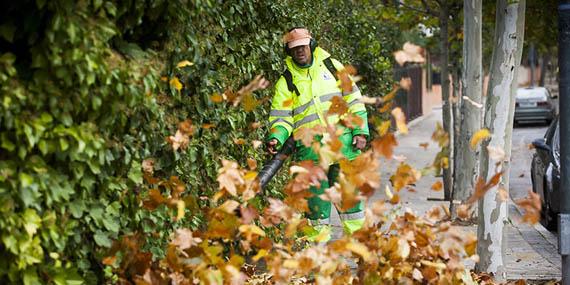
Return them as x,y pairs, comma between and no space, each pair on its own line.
228,206
531,206
338,106
406,83
481,187
385,145
184,239
437,186
463,211
256,144
344,77
148,166
424,145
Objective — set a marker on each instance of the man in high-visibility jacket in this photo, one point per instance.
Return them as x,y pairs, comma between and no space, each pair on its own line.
310,84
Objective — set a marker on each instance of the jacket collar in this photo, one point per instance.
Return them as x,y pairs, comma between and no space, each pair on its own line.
318,56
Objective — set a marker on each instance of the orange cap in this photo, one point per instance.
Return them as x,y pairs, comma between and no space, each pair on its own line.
297,37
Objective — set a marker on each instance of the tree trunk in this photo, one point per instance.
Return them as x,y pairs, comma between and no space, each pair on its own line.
543,68
447,105
466,159
500,105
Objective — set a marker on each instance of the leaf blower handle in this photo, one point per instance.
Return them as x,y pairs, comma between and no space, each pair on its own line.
271,167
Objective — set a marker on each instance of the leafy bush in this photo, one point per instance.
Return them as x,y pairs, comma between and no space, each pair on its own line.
88,95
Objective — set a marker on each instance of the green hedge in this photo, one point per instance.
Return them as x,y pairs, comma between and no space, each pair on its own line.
84,102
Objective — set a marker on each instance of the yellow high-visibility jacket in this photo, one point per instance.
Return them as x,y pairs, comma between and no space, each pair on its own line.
317,86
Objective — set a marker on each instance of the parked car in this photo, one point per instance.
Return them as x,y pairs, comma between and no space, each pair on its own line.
545,174
534,104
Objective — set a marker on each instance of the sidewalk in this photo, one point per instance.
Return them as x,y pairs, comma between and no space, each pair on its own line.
531,251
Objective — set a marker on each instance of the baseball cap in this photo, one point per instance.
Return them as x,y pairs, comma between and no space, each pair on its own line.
297,37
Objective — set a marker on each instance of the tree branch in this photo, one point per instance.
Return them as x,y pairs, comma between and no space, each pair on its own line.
412,8
428,9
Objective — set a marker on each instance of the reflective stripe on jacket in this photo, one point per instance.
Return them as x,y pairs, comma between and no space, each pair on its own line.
317,86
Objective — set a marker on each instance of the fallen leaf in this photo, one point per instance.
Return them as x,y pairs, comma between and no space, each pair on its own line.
252,163
148,166
385,145
384,127
424,145
216,98
229,206
288,103
400,119
463,211
437,186
481,187
406,83
503,194
184,239
184,63
479,136
239,141
174,82
256,144
344,76
109,260
338,106
359,249
531,206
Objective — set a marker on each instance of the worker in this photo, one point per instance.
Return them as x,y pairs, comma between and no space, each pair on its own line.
302,98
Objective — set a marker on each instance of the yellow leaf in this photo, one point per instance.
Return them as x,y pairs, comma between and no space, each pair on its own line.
261,253
184,63
216,98
403,248
478,137
229,206
251,229
384,127
174,82
291,264
400,118
389,194
180,206
359,249
256,144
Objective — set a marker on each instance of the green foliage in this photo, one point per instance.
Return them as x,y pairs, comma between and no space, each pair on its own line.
83,104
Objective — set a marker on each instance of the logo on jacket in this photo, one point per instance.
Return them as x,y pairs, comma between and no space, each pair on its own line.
327,76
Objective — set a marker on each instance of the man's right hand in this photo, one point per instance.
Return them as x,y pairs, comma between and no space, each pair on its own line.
272,146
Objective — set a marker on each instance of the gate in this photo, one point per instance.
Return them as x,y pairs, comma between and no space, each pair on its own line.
410,101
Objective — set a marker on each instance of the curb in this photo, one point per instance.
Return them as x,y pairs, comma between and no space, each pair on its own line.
548,236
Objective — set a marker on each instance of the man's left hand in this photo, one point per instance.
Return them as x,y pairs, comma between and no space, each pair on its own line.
359,142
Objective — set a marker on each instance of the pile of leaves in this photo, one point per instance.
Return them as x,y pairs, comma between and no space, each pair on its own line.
244,242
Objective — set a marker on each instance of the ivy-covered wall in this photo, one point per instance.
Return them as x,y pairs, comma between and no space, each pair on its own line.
85,98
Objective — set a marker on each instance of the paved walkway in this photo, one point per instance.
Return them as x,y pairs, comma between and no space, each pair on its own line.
531,251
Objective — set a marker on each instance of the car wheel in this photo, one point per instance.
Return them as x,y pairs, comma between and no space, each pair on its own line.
547,217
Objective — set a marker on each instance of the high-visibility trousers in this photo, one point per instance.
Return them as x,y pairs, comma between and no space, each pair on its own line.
319,209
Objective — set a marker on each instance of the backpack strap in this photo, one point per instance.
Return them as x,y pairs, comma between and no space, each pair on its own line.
330,66
289,79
